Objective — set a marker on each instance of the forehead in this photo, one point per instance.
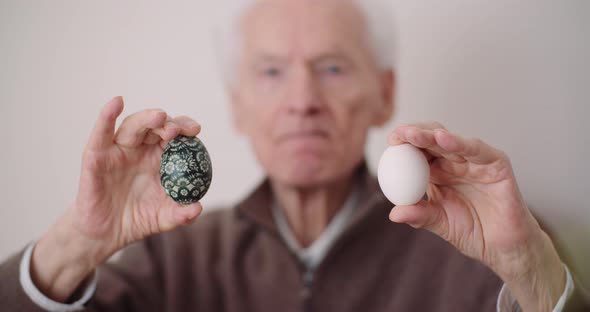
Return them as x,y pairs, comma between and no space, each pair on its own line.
304,28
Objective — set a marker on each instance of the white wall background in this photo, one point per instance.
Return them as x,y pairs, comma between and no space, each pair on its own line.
514,73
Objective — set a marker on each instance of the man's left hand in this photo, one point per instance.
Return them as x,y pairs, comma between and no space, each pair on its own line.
475,204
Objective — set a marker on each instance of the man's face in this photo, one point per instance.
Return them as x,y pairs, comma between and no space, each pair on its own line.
308,89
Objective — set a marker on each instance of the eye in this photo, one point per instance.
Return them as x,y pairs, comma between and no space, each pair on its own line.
334,69
271,72
331,70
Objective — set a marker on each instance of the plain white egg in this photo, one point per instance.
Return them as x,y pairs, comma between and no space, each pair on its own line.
403,174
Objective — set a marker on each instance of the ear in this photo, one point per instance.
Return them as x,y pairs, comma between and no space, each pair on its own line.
387,86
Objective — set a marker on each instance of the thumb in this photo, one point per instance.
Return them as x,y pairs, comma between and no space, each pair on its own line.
423,215
104,130
175,214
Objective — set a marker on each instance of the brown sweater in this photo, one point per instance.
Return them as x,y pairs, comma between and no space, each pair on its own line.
235,260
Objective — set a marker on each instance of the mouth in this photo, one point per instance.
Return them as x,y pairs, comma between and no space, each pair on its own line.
306,135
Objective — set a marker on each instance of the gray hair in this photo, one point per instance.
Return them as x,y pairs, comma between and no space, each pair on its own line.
378,16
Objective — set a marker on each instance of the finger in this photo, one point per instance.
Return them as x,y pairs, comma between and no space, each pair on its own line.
180,125
163,144
474,150
420,138
163,134
151,138
175,214
102,135
426,214
424,125
187,214
134,128
188,126
446,172
175,126
394,139
167,132
423,215
425,139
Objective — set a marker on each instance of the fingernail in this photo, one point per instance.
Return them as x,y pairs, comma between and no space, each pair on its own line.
394,138
174,131
192,125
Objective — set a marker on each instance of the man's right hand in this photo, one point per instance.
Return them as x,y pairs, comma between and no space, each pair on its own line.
120,199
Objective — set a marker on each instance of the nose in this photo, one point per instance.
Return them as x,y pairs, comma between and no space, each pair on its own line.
304,97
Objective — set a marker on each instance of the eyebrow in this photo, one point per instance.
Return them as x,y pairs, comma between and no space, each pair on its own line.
267,58
332,56
318,59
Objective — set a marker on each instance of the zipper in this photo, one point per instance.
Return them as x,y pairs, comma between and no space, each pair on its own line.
309,275
305,294
352,228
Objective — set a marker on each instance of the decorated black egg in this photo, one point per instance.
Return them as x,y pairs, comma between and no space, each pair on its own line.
185,169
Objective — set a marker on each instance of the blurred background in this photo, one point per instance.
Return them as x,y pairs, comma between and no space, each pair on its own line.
514,73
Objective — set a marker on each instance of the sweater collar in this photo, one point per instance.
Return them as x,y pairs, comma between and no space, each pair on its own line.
258,205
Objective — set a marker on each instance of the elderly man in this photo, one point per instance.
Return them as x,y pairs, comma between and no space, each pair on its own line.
314,236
